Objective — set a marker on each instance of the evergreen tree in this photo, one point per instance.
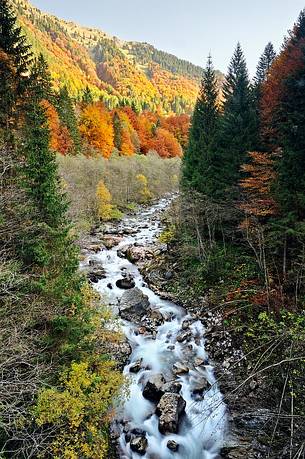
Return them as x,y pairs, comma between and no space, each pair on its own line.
15,58
237,134
117,127
40,80
200,160
12,41
264,64
67,116
87,96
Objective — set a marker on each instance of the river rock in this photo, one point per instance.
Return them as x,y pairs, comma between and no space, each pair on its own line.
172,386
180,369
95,271
139,445
111,241
173,446
126,283
200,387
153,389
184,335
169,410
136,366
133,305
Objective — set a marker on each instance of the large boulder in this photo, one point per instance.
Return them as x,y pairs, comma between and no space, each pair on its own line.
126,283
139,445
153,389
133,305
169,410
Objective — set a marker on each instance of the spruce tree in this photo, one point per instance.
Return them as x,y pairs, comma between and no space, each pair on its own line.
87,97
67,116
12,40
117,127
40,80
200,158
264,64
15,57
237,134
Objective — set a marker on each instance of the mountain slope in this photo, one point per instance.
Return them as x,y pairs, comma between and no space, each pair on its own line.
114,69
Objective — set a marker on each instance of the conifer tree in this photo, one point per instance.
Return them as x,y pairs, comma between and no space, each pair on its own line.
40,80
12,41
264,64
237,133
15,57
87,97
117,128
200,159
67,116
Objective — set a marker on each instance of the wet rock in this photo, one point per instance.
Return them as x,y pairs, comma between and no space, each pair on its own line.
136,367
199,362
173,446
153,389
200,387
133,305
180,369
169,410
139,445
110,286
185,335
95,272
126,283
111,241
157,317
172,386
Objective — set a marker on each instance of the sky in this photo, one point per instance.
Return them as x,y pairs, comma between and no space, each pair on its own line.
190,29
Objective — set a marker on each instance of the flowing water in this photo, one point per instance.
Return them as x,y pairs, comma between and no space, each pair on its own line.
202,427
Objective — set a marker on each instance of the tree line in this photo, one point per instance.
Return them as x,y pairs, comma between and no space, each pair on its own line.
57,376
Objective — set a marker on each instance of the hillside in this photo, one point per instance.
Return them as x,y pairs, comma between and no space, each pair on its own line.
114,69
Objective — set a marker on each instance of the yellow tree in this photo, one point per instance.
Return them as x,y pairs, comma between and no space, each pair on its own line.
106,210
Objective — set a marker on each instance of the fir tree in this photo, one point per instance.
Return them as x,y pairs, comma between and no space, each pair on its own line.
117,127
264,64
40,80
12,41
67,116
200,159
15,57
237,133
87,96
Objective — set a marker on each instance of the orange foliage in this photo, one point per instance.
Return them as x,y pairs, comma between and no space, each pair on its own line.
97,129
179,126
165,144
60,139
257,186
289,62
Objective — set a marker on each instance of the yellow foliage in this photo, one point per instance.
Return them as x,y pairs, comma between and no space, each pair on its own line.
80,409
145,194
106,210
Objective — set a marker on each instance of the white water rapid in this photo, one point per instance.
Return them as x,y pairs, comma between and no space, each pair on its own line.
202,426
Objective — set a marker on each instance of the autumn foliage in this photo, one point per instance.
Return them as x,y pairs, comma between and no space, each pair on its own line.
96,128
60,139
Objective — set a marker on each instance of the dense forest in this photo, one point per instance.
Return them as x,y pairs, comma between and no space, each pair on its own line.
96,135
240,232
116,71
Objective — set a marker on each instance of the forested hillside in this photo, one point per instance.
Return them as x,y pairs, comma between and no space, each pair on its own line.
114,70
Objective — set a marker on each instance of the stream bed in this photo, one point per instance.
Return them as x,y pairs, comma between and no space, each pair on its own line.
174,408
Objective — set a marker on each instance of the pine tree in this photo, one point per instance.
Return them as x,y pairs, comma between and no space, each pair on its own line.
40,80
15,58
237,133
67,116
200,159
87,97
264,64
117,127
12,41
